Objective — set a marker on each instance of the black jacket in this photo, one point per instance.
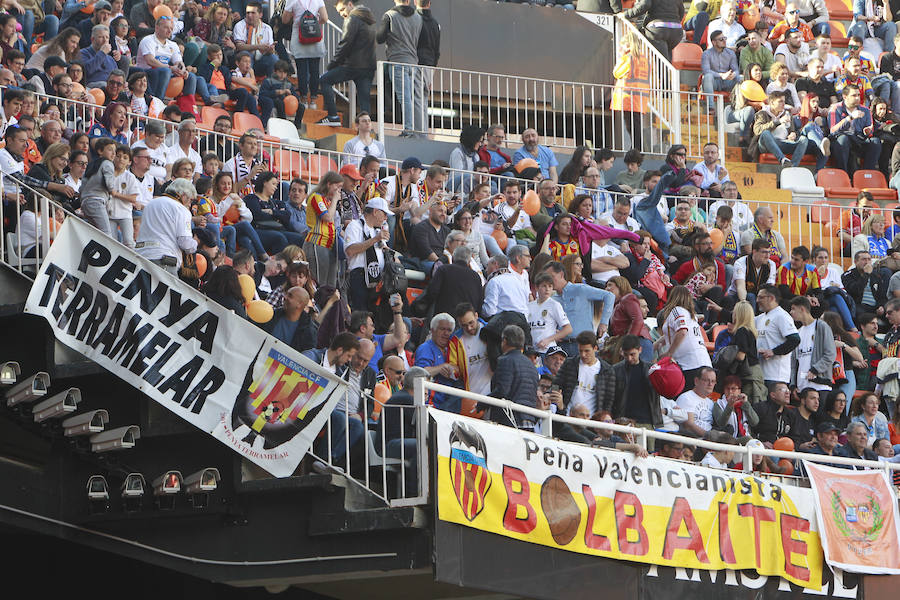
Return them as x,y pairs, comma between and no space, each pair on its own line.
356,50
450,285
516,380
620,372
656,10
604,390
855,282
429,39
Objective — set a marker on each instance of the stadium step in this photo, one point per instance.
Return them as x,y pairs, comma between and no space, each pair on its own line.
317,132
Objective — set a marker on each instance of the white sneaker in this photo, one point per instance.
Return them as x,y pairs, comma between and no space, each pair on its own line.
786,162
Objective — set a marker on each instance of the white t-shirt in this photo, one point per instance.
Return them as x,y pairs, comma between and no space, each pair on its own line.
175,152
833,277
165,52
691,353
391,191
261,34
355,149
609,250
740,273
125,183
358,232
9,165
507,211
701,408
164,221
584,392
479,369
75,185
546,319
159,158
772,329
629,225
146,187
804,357
742,215
712,462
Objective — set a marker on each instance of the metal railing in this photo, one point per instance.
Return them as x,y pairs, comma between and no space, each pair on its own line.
566,114
387,475
642,435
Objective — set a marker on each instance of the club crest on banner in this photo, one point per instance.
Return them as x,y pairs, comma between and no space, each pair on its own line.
468,469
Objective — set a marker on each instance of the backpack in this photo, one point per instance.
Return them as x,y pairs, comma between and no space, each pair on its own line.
393,278
308,28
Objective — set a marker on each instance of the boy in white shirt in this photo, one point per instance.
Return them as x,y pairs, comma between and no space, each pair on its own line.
546,316
127,184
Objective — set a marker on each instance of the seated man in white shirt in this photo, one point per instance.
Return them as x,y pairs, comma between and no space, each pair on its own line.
714,174
160,58
698,404
741,215
728,25
251,34
166,227
606,260
618,217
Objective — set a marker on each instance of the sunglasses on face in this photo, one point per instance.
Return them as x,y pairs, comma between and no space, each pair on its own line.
795,12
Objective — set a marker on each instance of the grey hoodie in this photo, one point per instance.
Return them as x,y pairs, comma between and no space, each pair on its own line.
399,29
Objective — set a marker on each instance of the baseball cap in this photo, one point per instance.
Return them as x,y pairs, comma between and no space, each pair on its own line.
755,444
554,349
351,171
103,5
379,203
411,163
54,61
825,427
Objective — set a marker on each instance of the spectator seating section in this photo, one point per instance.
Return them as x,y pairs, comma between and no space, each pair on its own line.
836,184
801,182
686,57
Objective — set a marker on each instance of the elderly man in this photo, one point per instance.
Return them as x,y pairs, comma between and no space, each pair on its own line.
432,356
509,288
728,25
550,207
99,58
491,152
115,87
187,135
51,132
545,158
763,219
160,58
856,447
741,218
515,379
166,227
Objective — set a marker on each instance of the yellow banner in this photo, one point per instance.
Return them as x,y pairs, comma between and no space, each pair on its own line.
612,504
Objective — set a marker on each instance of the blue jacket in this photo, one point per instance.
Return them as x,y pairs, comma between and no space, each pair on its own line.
516,379
97,65
646,214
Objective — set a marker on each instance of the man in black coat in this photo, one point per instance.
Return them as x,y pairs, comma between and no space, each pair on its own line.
452,285
635,398
354,59
568,377
515,378
429,47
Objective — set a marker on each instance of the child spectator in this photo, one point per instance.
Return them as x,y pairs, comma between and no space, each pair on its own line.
276,88
122,205
216,86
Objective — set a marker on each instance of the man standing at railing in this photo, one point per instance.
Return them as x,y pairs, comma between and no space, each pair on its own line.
515,379
353,60
399,29
166,227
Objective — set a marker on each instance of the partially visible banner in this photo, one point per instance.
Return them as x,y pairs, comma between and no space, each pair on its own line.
857,514
223,374
612,504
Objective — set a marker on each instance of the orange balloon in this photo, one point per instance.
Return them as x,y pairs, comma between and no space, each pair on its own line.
501,238
717,237
98,96
786,466
200,261
88,9
784,444
77,88
531,203
162,11
176,84
290,106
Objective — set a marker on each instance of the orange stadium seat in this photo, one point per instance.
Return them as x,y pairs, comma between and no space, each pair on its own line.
873,182
209,114
244,121
289,163
318,165
839,10
836,184
838,34
823,211
687,56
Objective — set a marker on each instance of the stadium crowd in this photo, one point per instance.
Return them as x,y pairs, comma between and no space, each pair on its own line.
656,299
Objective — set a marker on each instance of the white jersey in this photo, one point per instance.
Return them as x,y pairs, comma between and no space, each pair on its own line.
479,369
546,318
691,353
585,392
772,329
701,408
125,183
740,273
609,250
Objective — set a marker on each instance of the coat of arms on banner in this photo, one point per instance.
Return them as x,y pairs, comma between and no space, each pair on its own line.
859,519
468,469
279,402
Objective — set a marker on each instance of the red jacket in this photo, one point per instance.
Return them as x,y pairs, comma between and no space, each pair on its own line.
690,267
485,155
627,318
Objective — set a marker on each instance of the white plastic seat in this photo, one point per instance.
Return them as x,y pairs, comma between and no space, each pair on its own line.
375,460
288,134
801,182
12,255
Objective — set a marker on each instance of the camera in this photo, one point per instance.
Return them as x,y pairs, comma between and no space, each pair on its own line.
9,372
29,390
58,405
86,423
121,438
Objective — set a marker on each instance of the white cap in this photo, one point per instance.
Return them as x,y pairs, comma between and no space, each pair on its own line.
379,203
